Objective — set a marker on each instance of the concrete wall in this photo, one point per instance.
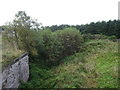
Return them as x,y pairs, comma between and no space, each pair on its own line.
16,72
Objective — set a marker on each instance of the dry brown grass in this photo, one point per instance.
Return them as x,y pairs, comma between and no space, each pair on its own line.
8,52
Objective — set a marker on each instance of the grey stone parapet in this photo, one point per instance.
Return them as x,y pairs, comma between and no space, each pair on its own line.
16,72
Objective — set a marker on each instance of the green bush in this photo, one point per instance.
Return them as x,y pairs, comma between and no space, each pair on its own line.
112,38
71,40
94,36
51,46
56,45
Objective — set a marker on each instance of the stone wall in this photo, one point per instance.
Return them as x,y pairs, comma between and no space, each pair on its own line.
16,72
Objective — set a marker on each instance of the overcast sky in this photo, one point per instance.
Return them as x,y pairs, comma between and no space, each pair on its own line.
52,12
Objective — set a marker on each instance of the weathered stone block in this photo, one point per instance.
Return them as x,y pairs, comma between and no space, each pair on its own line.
16,72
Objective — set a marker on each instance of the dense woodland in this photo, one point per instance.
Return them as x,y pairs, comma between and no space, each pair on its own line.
108,28
60,56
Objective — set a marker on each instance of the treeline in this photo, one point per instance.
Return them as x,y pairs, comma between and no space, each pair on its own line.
108,28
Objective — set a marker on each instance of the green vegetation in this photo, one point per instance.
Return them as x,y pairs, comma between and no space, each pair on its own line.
95,67
56,45
9,53
64,57
108,28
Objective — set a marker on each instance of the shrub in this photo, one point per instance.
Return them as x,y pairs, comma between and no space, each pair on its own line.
112,38
58,44
98,37
71,40
94,36
50,48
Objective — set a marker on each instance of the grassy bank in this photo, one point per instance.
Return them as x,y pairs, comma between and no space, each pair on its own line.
95,67
8,52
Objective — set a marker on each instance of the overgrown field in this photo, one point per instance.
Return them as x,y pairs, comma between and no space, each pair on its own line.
96,66
64,56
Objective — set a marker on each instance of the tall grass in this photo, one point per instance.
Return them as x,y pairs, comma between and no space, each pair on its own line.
96,67
9,52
